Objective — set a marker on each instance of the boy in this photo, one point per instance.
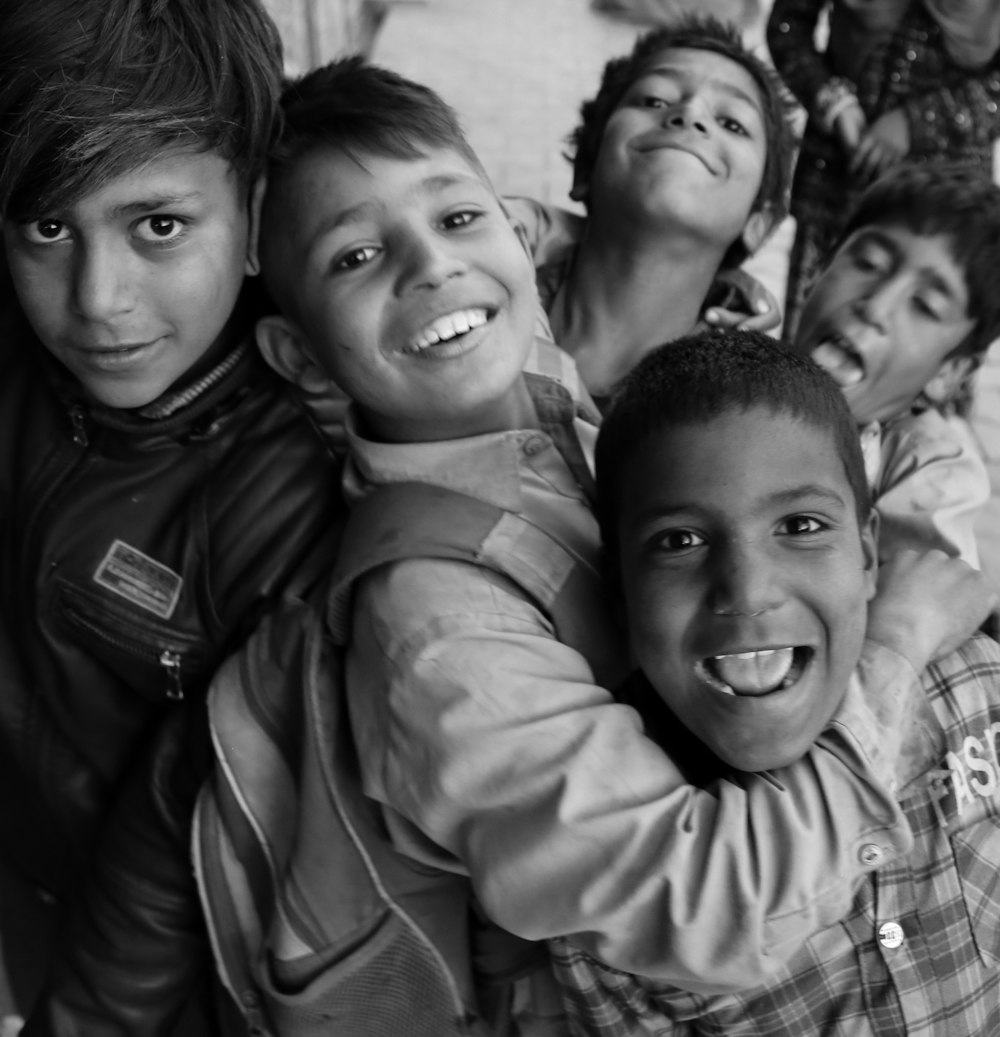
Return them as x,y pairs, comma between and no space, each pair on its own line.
160,489
901,319
735,512
682,160
491,746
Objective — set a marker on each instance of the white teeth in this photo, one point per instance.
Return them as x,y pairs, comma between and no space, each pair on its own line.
448,327
839,360
749,673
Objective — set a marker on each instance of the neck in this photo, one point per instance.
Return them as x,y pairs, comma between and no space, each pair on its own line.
627,293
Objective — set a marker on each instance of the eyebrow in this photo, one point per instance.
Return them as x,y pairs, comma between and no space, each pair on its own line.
156,202
723,85
367,209
791,497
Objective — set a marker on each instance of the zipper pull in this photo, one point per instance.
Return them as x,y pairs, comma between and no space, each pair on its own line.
79,428
171,662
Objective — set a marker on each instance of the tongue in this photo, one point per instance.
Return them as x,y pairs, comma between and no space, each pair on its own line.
839,364
752,673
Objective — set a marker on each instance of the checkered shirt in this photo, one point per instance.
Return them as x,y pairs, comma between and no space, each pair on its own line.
919,952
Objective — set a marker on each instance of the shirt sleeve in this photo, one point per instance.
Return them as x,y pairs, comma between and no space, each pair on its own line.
932,482
496,754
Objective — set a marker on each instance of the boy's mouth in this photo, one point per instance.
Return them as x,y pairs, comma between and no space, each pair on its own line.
449,327
754,673
838,357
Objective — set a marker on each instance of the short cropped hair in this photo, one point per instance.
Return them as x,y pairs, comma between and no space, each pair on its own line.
702,376
91,89
697,33
962,203
360,108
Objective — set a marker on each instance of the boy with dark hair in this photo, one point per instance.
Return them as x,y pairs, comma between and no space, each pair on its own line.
683,161
735,511
901,319
490,745
161,489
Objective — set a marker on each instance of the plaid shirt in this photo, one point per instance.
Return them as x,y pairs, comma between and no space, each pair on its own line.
919,952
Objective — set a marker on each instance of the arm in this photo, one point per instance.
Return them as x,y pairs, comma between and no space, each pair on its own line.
137,949
485,735
931,484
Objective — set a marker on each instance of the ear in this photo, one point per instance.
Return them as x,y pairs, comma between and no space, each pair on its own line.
283,346
254,203
944,386
758,228
869,550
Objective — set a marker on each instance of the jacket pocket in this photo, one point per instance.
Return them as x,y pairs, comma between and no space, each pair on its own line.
157,660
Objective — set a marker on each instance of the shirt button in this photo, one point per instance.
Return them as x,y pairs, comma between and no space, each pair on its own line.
911,55
821,163
991,106
895,77
783,27
890,935
870,855
534,445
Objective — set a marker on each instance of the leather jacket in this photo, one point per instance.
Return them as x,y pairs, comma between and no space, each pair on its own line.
136,553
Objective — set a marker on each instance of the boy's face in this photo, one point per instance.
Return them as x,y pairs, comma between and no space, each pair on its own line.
688,142
885,316
131,286
745,578
408,286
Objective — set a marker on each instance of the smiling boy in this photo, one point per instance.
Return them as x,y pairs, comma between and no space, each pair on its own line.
901,319
682,160
735,513
161,488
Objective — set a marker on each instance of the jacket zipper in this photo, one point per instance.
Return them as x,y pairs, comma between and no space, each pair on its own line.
167,659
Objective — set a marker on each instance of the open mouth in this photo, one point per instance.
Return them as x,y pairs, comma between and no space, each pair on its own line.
838,357
755,673
450,328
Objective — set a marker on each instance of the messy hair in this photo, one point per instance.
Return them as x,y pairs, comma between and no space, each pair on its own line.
91,89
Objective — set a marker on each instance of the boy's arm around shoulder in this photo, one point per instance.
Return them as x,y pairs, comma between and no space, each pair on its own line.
491,738
931,484
546,231
790,31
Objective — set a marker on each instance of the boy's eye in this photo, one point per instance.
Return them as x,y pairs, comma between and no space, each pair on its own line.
44,232
356,257
679,540
650,101
727,122
928,309
159,228
461,219
801,525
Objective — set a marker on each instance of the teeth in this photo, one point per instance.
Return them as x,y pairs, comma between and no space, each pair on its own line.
750,673
448,327
840,361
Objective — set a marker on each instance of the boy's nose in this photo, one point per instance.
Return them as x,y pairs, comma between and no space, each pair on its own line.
687,114
430,262
876,306
103,283
744,583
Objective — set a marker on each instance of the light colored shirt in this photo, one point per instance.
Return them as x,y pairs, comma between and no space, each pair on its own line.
495,752
917,955
928,483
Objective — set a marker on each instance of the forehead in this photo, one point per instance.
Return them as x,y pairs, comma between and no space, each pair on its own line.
705,68
330,187
176,176
741,461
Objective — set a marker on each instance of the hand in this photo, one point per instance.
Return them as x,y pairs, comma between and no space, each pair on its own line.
928,604
766,311
849,126
884,144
